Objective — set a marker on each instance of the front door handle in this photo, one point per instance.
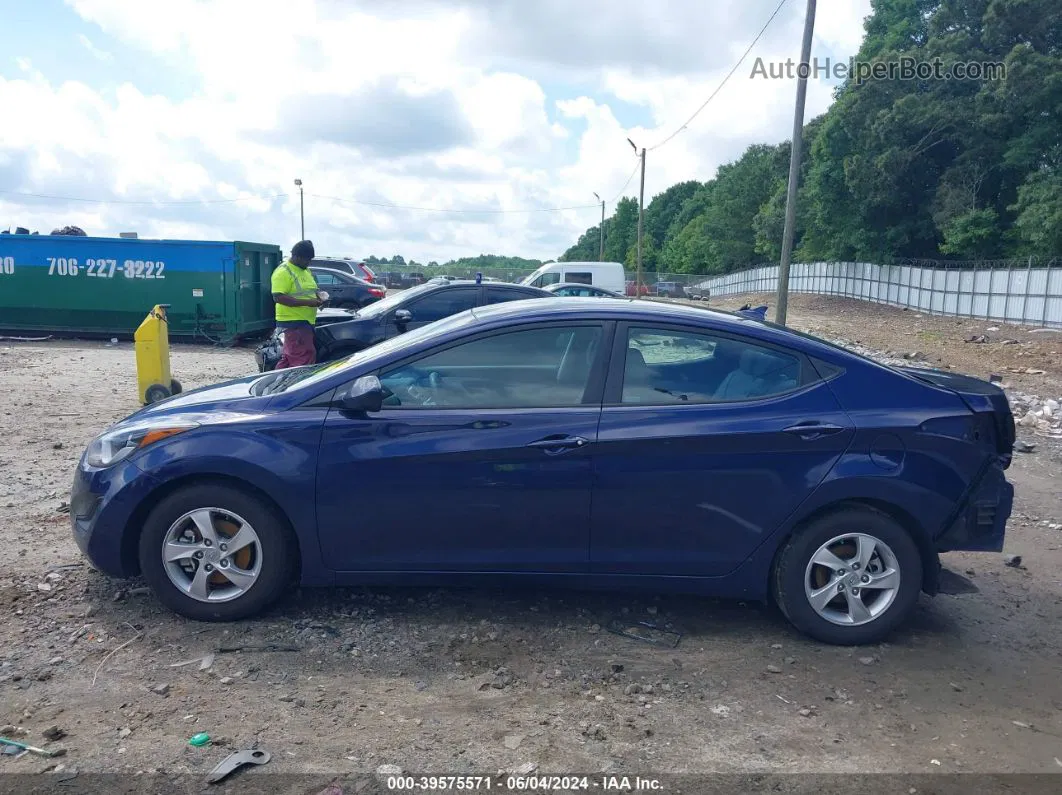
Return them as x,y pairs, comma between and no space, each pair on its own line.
813,430
555,445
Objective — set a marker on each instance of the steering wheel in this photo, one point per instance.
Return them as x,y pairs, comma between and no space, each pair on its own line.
436,382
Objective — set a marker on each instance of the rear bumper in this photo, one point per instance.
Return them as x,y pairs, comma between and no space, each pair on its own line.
980,523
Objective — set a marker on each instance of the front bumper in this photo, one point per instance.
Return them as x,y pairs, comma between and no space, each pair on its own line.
102,504
980,523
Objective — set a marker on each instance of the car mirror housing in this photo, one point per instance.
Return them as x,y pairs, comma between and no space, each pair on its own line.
364,395
403,316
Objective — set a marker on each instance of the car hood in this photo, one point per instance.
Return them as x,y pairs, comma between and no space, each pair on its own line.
231,396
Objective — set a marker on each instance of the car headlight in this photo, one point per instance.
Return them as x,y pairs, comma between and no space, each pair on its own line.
122,441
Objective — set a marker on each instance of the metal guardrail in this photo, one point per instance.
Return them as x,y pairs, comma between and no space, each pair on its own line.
1025,292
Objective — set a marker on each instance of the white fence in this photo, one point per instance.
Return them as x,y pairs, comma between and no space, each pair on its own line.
1026,293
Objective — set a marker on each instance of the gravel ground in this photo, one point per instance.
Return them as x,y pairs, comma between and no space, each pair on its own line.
474,682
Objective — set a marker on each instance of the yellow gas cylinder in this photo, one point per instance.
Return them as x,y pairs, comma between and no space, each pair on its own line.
152,344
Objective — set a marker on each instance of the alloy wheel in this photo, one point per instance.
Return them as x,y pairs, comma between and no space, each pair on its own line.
852,579
212,555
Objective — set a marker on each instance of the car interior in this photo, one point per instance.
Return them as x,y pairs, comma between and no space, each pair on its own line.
673,367
534,368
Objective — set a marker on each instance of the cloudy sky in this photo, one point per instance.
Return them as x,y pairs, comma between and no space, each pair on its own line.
165,113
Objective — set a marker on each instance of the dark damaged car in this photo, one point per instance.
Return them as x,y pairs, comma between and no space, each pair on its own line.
398,313
573,442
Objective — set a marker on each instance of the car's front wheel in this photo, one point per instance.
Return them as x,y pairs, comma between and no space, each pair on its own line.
848,578
216,553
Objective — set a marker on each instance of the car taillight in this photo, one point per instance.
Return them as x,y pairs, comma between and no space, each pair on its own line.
376,291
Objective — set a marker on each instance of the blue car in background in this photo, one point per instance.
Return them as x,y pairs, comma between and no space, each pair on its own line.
576,442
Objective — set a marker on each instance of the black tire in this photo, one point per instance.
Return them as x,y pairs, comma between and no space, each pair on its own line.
175,387
155,393
277,549
787,579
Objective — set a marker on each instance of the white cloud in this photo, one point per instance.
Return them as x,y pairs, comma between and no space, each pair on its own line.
457,105
101,55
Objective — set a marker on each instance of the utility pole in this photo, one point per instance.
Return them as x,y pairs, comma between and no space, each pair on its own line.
601,236
302,216
794,166
641,216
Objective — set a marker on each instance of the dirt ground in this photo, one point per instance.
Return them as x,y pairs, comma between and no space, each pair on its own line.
477,682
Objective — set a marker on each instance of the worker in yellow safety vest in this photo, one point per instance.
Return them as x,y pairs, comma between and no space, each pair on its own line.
296,297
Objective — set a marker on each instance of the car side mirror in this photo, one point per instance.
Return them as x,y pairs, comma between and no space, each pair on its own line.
364,395
403,316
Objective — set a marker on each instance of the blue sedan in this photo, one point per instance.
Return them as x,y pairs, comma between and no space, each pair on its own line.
577,443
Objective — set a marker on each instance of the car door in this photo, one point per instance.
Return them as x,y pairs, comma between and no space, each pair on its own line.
439,304
479,461
708,442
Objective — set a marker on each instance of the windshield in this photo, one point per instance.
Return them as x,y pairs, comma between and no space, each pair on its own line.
385,305
305,377
533,276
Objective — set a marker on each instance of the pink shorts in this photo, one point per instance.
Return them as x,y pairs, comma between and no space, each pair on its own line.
299,347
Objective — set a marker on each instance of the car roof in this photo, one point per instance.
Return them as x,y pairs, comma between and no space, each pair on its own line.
337,272
631,309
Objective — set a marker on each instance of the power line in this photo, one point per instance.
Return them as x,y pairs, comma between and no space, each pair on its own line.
390,206
628,182
725,79
138,201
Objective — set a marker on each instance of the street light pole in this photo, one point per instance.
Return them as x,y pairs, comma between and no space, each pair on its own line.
601,235
794,167
302,216
641,217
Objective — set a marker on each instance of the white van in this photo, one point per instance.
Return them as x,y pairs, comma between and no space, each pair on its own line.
608,275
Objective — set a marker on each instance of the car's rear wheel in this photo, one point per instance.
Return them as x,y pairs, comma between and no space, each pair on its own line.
216,553
848,578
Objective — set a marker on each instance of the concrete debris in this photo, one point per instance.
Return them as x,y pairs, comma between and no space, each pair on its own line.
53,733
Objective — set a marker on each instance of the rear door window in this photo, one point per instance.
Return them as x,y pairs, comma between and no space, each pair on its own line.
665,366
496,295
443,303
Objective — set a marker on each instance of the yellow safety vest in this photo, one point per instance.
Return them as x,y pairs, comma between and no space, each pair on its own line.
298,283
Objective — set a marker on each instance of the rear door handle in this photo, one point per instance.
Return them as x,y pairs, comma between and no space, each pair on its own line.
554,445
813,430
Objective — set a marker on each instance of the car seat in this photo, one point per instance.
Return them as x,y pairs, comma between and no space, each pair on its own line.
750,378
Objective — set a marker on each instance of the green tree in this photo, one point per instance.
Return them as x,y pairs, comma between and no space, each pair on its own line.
621,230
664,208
1039,214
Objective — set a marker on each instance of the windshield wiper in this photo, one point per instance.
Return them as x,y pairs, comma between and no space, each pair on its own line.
669,392
280,381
